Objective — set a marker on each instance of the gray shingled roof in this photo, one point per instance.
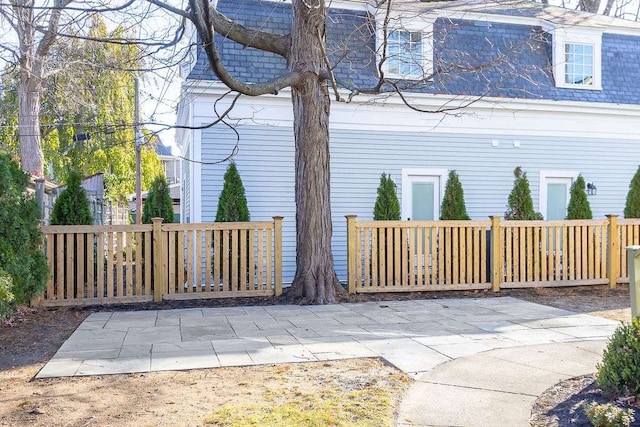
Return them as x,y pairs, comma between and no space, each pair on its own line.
518,8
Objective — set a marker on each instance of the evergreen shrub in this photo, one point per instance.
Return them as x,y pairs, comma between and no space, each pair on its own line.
453,206
387,206
232,207
619,373
21,256
72,205
578,202
158,203
520,202
632,206
232,203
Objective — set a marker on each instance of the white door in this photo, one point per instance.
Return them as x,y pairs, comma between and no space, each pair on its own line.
557,198
421,195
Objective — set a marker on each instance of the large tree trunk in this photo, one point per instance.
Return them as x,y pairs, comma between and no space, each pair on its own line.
31,155
315,278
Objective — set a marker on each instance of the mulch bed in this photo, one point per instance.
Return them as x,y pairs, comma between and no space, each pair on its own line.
562,404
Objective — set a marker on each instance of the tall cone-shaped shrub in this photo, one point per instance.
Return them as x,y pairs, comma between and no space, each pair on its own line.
520,202
453,206
232,203
632,206
232,207
158,203
578,203
387,206
72,205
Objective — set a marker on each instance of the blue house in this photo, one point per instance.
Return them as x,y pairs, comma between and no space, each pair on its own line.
485,86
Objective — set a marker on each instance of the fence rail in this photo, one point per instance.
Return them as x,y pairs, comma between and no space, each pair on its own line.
400,256
137,263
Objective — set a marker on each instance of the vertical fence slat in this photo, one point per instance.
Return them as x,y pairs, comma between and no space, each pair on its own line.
404,259
470,255
139,260
536,253
235,285
480,274
261,258
252,261
544,255
189,262
207,260
198,260
422,276
129,264
269,262
173,265
529,252
91,257
366,256
119,264
51,258
508,233
80,260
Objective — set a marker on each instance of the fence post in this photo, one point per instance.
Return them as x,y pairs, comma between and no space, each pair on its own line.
633,263
159,274
277,241
351,253
613,251
496,253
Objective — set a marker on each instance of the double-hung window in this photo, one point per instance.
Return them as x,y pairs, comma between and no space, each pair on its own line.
579,64
407,47
405,57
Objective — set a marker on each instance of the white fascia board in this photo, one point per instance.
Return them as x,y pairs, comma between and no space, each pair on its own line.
481,115
432,101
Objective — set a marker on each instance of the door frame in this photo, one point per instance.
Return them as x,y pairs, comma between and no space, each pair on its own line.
550,175
410,175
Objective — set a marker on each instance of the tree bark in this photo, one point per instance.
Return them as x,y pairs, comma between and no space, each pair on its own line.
315,279
31,156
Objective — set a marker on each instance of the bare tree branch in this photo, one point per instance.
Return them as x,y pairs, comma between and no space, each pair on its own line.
49,35
202,19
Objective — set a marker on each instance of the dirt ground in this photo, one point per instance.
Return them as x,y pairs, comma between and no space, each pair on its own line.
366,390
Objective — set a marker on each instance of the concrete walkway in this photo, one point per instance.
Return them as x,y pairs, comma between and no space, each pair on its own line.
415,336
494,388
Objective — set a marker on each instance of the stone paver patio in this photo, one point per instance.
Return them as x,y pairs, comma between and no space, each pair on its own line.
414,335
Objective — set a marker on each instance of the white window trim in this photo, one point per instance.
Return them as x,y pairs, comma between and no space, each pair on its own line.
550,174
563,36
424,25
407,173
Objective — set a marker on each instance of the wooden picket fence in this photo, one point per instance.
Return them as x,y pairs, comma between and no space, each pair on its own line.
403,256
152,262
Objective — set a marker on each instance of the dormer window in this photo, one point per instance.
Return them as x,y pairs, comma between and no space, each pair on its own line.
409,48
404,53
577,59
579,64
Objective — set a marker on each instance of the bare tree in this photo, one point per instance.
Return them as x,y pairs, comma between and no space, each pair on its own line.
36,30
36,26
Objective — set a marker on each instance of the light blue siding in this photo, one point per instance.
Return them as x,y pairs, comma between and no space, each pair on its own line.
265,160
